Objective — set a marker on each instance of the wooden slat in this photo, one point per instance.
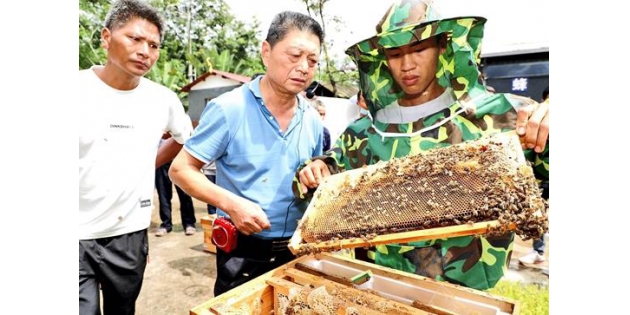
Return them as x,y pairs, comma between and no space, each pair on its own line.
206,224
506,305
282,286
313,271
242,295
206,221
431,308
207,242
397,238
295,243
255,304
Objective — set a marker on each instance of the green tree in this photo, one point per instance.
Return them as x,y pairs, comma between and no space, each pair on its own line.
170,73
195,32
342,74
226,61
91,16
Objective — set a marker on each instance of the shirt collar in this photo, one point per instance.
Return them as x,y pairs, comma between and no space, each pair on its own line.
254,86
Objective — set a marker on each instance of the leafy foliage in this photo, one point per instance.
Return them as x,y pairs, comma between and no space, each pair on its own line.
343,74
534,299
91,17
194,33
209,38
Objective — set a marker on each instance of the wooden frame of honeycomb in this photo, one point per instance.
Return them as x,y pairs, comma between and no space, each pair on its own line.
478,187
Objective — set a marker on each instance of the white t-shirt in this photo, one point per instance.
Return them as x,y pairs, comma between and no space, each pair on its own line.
119,133
396,114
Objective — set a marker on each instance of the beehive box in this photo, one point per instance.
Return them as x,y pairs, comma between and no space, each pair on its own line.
322,284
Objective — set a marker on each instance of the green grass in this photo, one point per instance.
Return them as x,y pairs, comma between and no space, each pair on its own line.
533,298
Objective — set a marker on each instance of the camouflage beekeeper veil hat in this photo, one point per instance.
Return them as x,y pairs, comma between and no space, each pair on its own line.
410,21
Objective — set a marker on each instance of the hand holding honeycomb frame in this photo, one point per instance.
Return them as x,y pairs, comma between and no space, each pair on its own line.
478,187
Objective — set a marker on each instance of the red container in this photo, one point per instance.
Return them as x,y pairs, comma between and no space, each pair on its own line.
224,234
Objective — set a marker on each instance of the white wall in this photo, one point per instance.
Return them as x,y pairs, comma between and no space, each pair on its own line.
339,114
213,81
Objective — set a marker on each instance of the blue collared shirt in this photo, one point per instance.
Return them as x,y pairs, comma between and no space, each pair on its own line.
254,158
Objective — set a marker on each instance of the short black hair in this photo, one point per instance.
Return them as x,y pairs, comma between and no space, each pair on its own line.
287,21
123,11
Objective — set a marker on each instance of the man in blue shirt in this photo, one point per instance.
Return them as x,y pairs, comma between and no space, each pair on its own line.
258,134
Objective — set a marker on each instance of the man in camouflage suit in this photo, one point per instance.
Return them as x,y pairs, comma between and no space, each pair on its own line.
424,90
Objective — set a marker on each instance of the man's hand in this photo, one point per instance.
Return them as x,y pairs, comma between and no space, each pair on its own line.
532,125
312,174
248,217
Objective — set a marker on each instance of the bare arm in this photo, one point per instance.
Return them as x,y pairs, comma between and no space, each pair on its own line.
167,152
247,216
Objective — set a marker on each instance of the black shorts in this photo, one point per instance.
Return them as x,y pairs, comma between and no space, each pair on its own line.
116,266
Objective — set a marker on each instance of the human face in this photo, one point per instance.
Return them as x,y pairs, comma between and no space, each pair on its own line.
132,48
414,67
292,61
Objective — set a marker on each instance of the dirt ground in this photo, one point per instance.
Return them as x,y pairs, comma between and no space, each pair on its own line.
180,274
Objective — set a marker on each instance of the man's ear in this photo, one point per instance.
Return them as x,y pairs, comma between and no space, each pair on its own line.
265,51
106,36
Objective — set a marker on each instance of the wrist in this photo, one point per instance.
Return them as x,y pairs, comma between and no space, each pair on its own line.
228,203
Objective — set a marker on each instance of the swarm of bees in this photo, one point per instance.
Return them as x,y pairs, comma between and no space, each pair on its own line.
478,181
310,300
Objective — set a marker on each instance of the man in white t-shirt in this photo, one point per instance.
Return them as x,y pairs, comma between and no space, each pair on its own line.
122,117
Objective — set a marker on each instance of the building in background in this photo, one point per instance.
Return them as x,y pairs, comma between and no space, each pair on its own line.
324,88
518,70
208,86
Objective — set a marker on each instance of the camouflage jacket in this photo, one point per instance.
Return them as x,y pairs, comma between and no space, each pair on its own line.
473,262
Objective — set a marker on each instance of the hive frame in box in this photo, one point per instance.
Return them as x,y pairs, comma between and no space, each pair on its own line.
397,292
